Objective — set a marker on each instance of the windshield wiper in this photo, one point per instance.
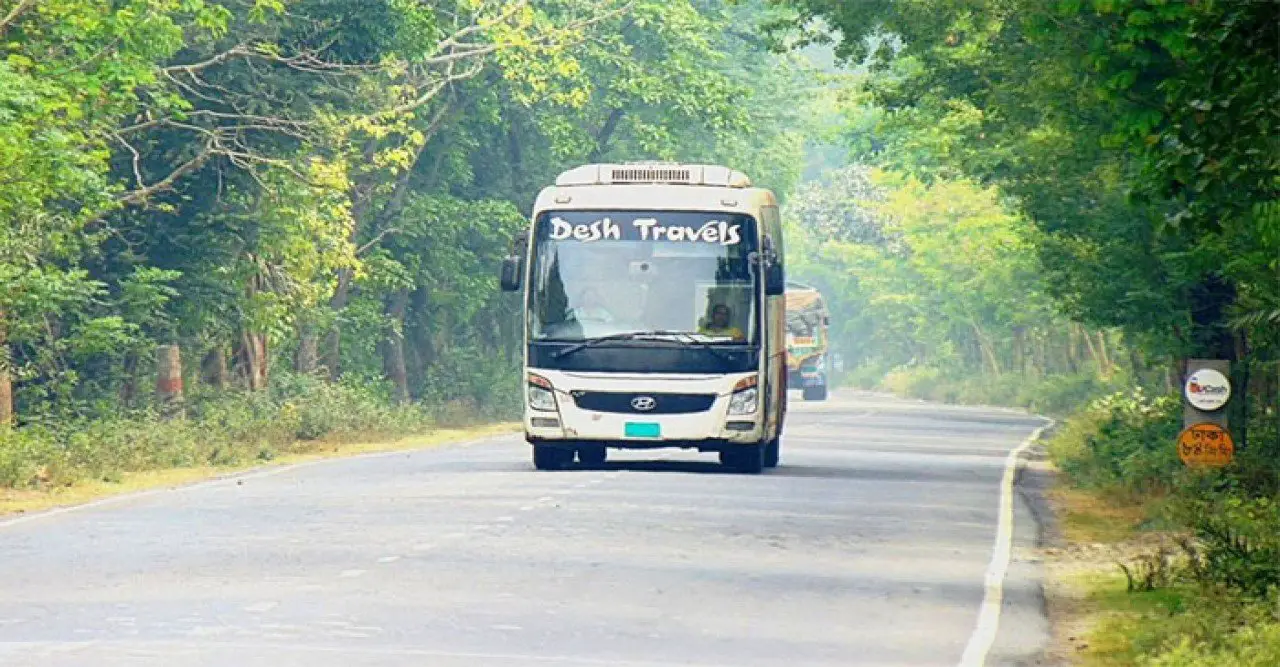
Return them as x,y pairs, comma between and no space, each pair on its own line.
592,342
681,336
688,339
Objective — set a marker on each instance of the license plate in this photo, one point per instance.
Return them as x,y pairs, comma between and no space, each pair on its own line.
642,430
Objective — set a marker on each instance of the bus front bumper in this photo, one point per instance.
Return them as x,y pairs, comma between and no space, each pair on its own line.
711,429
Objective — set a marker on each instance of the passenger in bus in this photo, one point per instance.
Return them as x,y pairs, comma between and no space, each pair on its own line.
720,324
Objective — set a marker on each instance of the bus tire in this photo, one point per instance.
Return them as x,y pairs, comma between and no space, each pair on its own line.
772,453
746,459
547,457
816,393
593,456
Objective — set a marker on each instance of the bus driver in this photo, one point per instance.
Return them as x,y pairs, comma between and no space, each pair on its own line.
720,324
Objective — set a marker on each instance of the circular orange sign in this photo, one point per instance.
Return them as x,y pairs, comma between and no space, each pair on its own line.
1205,445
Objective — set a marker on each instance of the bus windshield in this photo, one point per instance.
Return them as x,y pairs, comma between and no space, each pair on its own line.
608,273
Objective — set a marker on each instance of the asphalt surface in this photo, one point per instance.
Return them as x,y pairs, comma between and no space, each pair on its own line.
867,546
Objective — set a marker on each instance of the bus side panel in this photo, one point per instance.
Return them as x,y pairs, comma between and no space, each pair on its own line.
777,355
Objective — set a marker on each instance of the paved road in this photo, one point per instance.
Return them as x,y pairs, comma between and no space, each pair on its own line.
868,546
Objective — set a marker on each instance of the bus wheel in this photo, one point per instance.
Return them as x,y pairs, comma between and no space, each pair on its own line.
593,456
772,451
747,459
817,393
547,457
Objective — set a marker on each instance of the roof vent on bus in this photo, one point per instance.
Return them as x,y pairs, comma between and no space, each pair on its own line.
654,172
650,175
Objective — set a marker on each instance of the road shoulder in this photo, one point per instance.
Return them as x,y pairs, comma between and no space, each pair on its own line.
21,503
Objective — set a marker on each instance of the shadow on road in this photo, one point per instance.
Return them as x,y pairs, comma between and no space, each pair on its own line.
881,474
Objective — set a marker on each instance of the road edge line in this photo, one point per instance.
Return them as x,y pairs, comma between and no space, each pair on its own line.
984,634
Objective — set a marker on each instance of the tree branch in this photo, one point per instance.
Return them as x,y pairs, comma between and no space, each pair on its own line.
142,194
15,14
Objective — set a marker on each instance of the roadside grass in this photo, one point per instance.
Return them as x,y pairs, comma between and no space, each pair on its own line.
1087,517
1181,625
1195,549
81,491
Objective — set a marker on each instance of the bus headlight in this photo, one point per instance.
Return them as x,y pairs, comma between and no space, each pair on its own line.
745,399
744,402
541,396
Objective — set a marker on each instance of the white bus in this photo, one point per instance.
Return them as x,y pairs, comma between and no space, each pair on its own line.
654,315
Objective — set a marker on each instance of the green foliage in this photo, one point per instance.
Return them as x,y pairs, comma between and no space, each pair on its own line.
1237,543
310,198
937,284
297,415
1136,142
1250,644
1137,136
1183,626
1123,441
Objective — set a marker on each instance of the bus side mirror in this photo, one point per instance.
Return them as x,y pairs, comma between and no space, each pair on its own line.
511,270
775,283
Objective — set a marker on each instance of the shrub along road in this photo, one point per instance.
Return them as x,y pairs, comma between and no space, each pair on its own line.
870,545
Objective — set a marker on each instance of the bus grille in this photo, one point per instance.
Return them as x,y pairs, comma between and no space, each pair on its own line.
625,402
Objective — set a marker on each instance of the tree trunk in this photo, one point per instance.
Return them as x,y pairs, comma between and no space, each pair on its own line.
1042,354
1019,350
129,387
1073,358
6,380
605,135
213,368
253,360
418,338
1138,366
307,358
1177,371
333,342
1093,350
987,349
393,346
1102,353
169,379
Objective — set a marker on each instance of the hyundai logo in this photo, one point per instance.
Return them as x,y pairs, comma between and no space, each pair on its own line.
644,403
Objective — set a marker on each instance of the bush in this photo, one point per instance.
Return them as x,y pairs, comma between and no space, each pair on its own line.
1186,626
226,428
1056,395
1124,441
1253,645
1237,542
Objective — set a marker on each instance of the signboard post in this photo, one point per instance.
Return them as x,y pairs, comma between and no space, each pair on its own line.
1206,393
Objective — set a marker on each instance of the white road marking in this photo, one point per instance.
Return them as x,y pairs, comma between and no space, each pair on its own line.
388,559
545,499
261,607
505,519
984,635
350,574
526,508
